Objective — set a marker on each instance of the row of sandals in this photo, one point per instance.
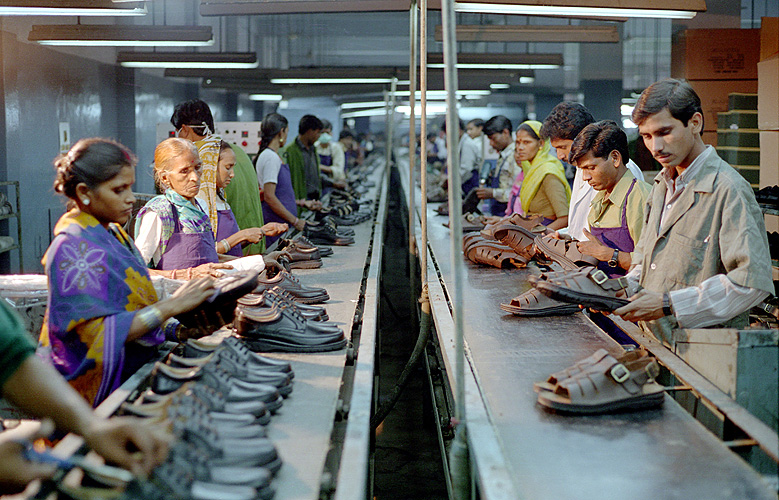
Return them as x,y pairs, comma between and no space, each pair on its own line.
600,383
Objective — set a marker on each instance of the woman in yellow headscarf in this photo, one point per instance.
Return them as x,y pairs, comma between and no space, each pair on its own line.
542,188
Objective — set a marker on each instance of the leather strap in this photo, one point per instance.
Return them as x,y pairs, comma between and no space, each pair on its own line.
602,280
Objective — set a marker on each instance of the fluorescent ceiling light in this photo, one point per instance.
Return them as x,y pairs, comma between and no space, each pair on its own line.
265,97
499,86
431,109
497,66
357,105
122,35
308,81
550,10
533,33
526,79
431,94
364,113
199,60
69,8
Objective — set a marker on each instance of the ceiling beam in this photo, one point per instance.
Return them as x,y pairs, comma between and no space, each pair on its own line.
533,33
253,7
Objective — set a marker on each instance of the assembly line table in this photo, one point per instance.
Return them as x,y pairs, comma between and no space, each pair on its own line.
522,451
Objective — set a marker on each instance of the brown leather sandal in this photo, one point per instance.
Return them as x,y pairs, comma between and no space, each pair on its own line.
588,287
565,253
586,364
608,386
472,238
498,256
517,237
535,303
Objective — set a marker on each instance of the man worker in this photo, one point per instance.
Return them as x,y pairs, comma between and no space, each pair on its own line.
303,160
193,120
561,127
499,132
702,258
470,163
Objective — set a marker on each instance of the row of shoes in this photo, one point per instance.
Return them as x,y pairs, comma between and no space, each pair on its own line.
216,399
302,253
768,197
603,383
327,232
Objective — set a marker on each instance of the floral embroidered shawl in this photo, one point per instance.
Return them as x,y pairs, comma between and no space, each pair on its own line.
208,150
97,281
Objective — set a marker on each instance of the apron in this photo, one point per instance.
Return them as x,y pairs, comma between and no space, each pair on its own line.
494,206
617,238
326,160
472,182
227,226
186,250
286,196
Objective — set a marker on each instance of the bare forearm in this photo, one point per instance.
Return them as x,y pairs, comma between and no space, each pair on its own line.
559,223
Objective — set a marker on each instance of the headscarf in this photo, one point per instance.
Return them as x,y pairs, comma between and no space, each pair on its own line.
544,163
208,150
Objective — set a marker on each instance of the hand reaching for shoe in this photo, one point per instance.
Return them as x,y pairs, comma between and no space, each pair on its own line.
128,442
594,248
189,296
644,306
15,470
207,270
274,228
484,193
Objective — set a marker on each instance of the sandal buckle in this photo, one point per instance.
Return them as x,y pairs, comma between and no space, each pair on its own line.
599,276
619,373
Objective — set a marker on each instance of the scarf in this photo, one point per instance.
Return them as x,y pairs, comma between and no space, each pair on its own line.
542,165
208,150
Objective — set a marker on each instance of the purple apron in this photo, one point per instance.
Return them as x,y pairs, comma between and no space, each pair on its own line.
226,226
286,196
470,183
617,238
326,160
187,250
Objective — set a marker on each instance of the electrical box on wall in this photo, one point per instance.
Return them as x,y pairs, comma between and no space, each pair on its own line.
244,134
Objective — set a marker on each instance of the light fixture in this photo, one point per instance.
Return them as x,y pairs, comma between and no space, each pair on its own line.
500,86
507,66
526,79
630,8
502,61
366,104
431,109
331,81
265,97
200,60
433,94
560,33
71,8
364,112
121,35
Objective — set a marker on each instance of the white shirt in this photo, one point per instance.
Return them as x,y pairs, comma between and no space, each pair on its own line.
469,157
268,167
339,160
582,195
716,299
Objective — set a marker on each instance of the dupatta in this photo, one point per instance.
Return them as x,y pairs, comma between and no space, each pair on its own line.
544,163
208,150
97,281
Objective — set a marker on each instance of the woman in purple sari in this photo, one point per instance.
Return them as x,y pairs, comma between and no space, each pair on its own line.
103,319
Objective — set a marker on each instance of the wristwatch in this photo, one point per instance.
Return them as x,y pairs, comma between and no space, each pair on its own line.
667,308
614,260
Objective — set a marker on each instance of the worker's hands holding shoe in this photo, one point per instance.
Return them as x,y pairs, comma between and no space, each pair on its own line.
15,470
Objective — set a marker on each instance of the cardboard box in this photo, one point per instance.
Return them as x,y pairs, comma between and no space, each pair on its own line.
768,94
769,158
716,54
714,97
769,37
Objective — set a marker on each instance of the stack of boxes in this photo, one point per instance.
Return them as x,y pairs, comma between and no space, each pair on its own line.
738,140
768,102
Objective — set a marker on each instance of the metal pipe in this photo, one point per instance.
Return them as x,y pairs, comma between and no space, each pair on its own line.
390,126
412,124
423,136
458,457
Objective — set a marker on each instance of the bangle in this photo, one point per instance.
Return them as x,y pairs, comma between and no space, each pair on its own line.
150,317
189,273
173,274
225,245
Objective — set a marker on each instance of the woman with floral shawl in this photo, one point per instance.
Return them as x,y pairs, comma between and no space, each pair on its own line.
103,319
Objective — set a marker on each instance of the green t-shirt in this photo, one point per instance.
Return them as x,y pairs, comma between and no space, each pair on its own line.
15,343
243,195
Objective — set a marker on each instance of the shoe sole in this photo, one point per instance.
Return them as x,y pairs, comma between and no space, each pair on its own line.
274,406
597,302
269,345
549,311
317,299
306,264
635,403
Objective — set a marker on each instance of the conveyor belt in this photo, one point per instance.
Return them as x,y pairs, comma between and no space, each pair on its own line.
661,453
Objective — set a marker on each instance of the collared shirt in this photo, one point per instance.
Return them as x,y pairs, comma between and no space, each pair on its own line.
509,170
582,195
606,208
310,167
676,186
469,157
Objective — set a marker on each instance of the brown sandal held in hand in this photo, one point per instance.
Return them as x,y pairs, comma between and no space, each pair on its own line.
534,303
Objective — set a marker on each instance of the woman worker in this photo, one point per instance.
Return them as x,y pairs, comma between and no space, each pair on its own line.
173,232
103,319
541,188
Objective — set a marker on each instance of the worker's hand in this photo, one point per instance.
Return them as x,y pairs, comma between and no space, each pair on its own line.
644,306
191,294
594,248
211,269
484,193
340,184
274,228
129,442
300,224
313,205
16,471
250,235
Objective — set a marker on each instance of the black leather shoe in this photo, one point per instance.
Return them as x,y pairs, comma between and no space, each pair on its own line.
281,330
277,295
305,243
219,309
172,481
326,235
189,456
197,349
288,282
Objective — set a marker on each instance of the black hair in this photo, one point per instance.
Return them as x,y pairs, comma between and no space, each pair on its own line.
271,126
326,124
477,122
461,123
527,128
600,138
677,96
344,134
496,125
91,161
309,122
193,113
565,121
